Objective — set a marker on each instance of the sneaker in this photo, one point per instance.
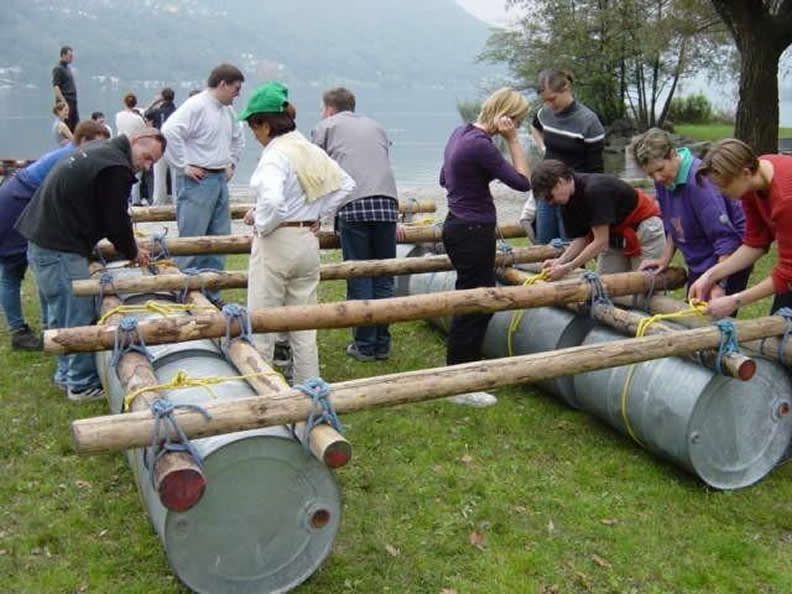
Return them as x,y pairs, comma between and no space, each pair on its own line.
353,351
383,355
85,394
476,399
24,339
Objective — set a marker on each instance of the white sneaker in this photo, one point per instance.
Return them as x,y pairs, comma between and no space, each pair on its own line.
477,399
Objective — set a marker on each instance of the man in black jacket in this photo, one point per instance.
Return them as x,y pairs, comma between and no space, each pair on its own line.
82,200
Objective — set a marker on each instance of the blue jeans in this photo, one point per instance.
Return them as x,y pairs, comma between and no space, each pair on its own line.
12,272
369,241
548,222
202,209
55,272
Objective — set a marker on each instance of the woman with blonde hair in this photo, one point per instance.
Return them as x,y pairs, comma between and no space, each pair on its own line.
764,185
567,131
471,161
699,221
60,130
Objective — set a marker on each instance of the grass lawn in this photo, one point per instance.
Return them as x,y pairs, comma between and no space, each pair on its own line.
555,500
715,131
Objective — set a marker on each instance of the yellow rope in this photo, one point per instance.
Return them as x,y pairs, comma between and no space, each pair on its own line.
697,308
517,316
161,307
425,221
181,381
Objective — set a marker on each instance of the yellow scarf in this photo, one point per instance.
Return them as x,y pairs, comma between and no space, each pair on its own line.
317,173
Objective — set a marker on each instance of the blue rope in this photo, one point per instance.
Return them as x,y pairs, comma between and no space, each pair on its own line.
189,272
107,279
318,391
231,312
598,294
786,313
558,244
158,242
127,339
161,442
728,342
100,256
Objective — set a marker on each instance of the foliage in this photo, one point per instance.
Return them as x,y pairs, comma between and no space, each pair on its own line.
692,109
626,54
468,110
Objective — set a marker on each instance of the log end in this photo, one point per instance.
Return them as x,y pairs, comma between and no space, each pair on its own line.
746,369
181,489
337,454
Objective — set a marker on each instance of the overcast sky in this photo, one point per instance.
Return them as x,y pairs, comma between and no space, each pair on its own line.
491,11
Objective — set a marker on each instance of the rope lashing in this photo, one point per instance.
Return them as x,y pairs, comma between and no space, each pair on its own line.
127,339
322,411
786,313
558,244
100,256
163,308
231,312
517,316
652,273
164,425
159,245
728,342
181,381
192,272
106,279
598,294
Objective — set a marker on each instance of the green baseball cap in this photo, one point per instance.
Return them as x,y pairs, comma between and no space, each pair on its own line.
270,97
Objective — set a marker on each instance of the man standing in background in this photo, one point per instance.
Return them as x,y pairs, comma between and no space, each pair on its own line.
367,221
205,143
160,110
63,86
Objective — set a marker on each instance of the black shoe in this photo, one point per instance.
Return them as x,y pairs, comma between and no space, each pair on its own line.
24,339
353,351
85,394
383,355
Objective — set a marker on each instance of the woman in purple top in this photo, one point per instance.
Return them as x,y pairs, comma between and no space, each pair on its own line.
471,161
699,221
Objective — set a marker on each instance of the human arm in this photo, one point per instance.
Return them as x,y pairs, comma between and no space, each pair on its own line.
721,307
662,262
176,130
593,144
499,168
57,82
269,183
743,257
331,202
64,131
112,195
584,250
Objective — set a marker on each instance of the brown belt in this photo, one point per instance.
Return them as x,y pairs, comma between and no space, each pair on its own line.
297,224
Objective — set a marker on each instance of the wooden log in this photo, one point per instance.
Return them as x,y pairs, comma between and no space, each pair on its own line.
767,347
178,479
162,214
326,444
346,314
734,365
240,244
238,279
110,433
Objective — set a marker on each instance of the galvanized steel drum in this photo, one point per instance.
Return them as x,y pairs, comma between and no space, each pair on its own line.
728,432
270,512
401,282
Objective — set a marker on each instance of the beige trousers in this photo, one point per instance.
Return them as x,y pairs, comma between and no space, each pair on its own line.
651,234
284,270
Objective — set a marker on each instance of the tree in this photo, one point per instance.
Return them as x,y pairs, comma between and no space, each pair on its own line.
626,54
762,30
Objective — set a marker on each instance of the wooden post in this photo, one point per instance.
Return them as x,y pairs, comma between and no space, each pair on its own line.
159,214
767,347
240,244
346,314
734,365
237,279
178,479
326,444
110,433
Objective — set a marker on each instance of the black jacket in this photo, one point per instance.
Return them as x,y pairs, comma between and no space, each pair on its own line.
83,199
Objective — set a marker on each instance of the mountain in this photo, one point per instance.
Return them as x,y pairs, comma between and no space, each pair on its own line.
404,44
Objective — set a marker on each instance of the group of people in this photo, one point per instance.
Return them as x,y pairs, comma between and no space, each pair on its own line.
721,212
55,210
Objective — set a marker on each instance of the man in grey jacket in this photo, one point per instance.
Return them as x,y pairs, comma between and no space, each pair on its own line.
367,221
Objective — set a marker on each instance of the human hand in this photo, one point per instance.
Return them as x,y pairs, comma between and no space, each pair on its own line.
716,292
506,128
316,227
401,232
656,265
143,258
548,264
229,172
700,290
558,271
250,217
722,306
194,173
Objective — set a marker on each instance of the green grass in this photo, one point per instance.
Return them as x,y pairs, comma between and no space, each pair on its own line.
565,503
714,131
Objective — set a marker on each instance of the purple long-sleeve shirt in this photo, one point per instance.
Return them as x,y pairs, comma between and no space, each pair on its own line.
471,161
703,223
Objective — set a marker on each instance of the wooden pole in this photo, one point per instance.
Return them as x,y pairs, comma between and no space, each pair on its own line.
767,347
734,365
178,479
238,279
346,314
160,214
326,444
110,433
240,244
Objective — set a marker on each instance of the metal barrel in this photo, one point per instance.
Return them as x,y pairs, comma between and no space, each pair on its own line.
401,282
728,432
270,512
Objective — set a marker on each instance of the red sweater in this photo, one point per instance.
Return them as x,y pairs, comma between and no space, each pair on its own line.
770,218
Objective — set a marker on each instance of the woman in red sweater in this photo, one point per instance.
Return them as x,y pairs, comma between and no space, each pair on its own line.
764,184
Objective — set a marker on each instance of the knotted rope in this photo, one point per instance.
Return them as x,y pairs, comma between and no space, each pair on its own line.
318,391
